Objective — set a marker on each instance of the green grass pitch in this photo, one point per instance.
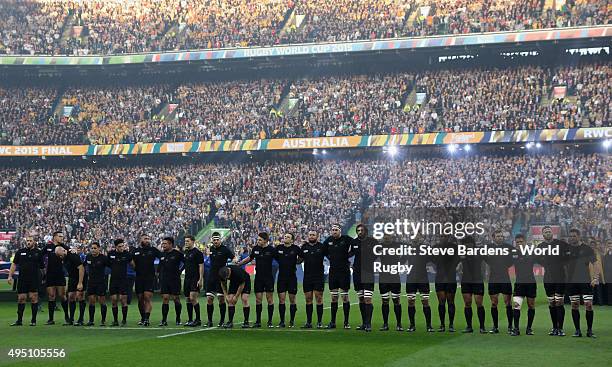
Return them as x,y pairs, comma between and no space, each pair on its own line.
155,346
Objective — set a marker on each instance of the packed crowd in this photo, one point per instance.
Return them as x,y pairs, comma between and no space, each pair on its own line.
351,105
106,202
452,100
298,196
27,119
32,27
507,181
115,26
456,17
348,20
229,110
591,85
115,114
233,23
481,100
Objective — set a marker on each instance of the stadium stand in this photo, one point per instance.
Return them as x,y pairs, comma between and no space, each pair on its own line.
450,99
58,27
102,203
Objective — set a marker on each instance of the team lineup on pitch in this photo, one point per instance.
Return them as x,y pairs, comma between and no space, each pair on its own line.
575,275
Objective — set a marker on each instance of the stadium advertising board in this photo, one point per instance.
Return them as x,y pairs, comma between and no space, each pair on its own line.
318,48
489,137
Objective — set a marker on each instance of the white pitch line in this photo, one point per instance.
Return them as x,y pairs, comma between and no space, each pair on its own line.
298,330
135,328
186,332
352,304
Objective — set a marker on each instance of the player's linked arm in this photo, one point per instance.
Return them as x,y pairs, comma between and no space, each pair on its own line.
11,272
224,288
81,276
201,280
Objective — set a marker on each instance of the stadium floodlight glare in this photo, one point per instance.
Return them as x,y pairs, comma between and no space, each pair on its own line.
315,151
607,143
538,145
392,150
452,148
323,151
529,145
467,147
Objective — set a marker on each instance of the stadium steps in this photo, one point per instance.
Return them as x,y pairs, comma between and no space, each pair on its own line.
166,112
546,94
517,226
409,99
410,8
57,106
549,4
413,15
289,22
67,30
204,235
288,107
174,30
288,103
6,199
205,230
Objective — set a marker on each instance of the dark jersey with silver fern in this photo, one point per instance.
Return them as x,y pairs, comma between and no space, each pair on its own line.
96,268
337,251
555,265
263,256
499,264
313,256
287,257
578,263
523,267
